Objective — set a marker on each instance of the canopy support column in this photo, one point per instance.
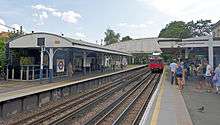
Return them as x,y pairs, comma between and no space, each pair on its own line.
84,62
51,64
210,51
41,62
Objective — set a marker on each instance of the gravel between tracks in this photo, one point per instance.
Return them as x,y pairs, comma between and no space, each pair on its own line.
99,107
117,111
137,106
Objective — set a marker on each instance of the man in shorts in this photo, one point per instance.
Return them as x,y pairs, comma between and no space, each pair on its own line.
172,70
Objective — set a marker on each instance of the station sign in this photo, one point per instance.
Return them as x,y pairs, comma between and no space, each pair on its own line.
60,65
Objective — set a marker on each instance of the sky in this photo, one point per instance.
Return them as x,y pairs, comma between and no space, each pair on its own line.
89,19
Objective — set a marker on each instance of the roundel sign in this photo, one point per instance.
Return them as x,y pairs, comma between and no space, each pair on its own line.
60,65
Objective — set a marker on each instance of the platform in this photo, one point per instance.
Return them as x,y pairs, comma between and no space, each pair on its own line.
8,86
32,89
195,98
167,106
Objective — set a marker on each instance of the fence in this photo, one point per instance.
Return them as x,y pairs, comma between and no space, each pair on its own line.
26,72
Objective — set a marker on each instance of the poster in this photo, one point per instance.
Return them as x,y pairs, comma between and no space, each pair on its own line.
60,65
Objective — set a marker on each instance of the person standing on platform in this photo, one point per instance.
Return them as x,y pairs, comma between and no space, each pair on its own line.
187,66
199,76
182,64
172,70
70,70
208,76
216,79
179,74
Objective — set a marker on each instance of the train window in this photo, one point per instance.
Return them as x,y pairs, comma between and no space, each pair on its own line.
156,61
152,61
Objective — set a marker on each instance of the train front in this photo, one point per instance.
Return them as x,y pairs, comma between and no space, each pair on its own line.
156,64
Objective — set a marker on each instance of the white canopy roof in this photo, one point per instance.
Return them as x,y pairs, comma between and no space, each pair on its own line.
144,45
56,41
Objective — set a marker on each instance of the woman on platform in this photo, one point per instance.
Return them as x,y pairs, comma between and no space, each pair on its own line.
216,79
200,76
179,75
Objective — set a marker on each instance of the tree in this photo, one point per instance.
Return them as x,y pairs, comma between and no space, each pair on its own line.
2,53
126,38
111,37
200,27
176,29
167,57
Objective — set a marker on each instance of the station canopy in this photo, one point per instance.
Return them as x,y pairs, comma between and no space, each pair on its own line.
56,41
143,45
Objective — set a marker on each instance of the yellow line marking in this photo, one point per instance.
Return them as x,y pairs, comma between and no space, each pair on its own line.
156,112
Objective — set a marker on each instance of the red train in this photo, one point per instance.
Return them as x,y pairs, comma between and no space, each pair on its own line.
155,64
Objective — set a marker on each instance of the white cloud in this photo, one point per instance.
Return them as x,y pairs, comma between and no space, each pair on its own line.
77,35
42,13
3,28
16,26
57,14
186,9
43,7
35,14
70,16
80,35
140,30
42,16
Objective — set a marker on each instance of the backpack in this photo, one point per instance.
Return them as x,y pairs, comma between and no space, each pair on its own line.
179,70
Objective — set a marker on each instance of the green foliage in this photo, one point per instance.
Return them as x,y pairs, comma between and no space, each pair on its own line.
180,29
126,38
141,58
200,27
167,57
111,37
176,29
2,53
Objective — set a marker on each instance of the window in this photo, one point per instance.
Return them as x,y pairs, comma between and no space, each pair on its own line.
41,41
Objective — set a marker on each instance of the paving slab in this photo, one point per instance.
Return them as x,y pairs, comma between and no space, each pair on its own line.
195,98
173,110
168,107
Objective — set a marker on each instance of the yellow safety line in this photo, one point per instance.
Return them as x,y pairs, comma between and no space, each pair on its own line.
156,112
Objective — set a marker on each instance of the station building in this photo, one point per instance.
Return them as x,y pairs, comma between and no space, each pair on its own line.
139,48
197,49
46,56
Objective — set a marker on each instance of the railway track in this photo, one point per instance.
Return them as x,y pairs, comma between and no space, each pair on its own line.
86,113
128,109
134,111
55,114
